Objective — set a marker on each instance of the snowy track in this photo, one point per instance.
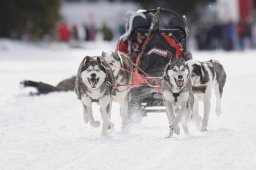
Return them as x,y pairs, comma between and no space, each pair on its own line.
48,132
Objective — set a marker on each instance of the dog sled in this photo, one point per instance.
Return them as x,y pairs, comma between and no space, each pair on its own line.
152,39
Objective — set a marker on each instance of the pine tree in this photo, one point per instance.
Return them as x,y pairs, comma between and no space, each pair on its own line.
34,18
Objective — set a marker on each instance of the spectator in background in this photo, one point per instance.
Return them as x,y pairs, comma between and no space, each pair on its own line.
91,32
74,33
241,34
254,35
63,32
201,36
80,32
248,34
107,33
229,34
216,39
121,29
86,32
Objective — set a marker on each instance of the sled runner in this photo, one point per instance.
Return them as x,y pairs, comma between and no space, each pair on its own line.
153,38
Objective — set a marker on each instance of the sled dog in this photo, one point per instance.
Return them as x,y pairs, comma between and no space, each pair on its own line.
177,92
122,69
205,76
44,88
94,81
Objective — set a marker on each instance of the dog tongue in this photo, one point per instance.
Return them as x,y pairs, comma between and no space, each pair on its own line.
93,81
179,83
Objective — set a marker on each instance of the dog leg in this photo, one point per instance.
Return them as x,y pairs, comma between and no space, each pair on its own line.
111,124
124,112
196,108
196,117
178,118
171,118
106,123
105,110
88,115
187,118
85,115
185,128
207,106
218,100
87,112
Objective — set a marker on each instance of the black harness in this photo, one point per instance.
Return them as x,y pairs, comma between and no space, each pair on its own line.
176,95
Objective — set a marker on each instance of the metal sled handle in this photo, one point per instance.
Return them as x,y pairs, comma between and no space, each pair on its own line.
171,12
163,10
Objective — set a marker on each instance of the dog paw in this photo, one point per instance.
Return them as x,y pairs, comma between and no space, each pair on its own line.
95,124
203,129
86,119
218,112
110,126
104,133
175,129
170,134
198,123
125,127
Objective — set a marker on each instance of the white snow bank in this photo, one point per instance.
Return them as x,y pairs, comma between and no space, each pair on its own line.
48,132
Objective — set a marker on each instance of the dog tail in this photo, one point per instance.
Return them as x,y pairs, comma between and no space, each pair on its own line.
42,88
221,76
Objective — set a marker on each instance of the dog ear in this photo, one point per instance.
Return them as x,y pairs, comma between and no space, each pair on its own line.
180,61
186,66
86,60
99,60
115,55
103,54
78,76
166,77
110,76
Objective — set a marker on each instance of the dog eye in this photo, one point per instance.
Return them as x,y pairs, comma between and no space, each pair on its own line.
97,69
183,69
193,75
89,70
175,70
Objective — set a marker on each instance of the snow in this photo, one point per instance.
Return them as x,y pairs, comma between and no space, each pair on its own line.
48,132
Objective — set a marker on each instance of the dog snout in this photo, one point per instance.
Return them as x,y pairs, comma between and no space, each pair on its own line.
93,75
180,77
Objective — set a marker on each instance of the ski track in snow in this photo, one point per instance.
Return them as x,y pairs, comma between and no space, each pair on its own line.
48,132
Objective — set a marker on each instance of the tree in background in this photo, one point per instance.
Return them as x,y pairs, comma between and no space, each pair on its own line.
106,32
32,18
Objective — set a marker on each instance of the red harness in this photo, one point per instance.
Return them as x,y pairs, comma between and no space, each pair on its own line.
139,79
145,79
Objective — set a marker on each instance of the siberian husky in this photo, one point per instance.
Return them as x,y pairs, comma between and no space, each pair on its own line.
205,76
122,70
177,92
45,88
94,83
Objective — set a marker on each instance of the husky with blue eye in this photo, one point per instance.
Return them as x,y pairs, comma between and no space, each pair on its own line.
205,76
94,82
177,93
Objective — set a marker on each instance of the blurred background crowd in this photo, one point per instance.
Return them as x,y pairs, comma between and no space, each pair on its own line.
213,24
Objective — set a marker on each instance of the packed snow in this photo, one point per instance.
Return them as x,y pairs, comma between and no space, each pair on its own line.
48,131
